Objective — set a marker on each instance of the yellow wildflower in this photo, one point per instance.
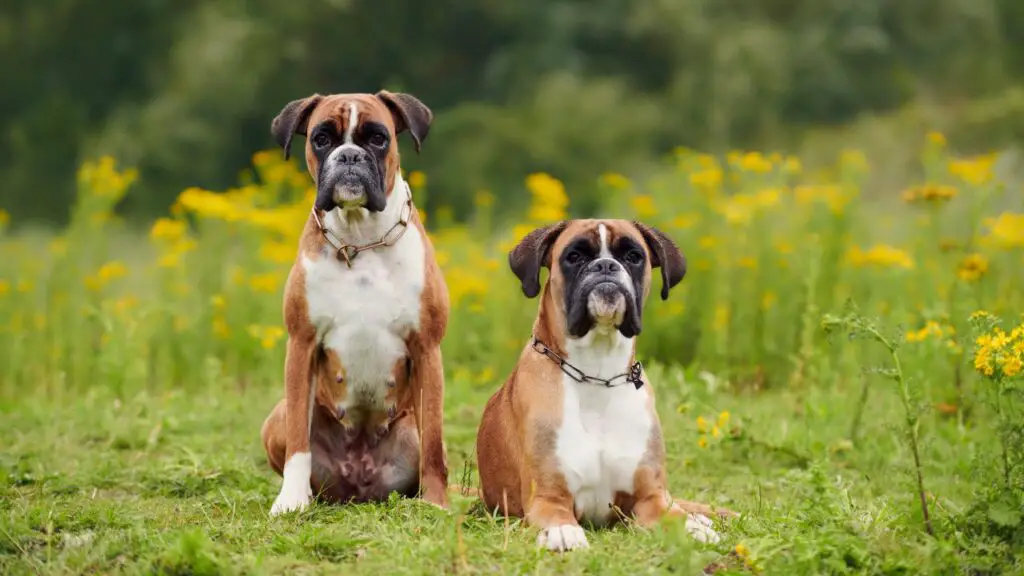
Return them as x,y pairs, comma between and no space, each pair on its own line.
755,162
167,229
549,198
723,419
715,432
277,252
976,171
417,180
937,139
930,193
266,283
702,441
792,165
972,268
854,160
483,199
267,335
5,287
702,424
685,221
5,218
742,551
1007,230
220,328
706,180
880,255
643,205
768,300
615,181
1011,365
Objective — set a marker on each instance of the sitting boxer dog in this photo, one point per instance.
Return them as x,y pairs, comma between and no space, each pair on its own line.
365,308
573,434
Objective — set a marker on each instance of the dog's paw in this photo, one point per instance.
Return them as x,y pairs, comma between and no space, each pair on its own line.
290,500
562,538
701,528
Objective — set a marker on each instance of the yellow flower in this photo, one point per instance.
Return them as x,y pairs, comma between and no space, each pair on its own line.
755,162
715,432
723,419
685,221
937,139
1011,365
5,218
549,199
702,424
277,252
1007,230
267,335
972,268
266,283
220,328
643,205
976,170
768,300
702,441
854,159
615,181
167,229
5,287
742,551
880,255
483,199
930,193
417,179
707,180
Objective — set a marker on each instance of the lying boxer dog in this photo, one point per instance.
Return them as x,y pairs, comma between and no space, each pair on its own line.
573,434
366,308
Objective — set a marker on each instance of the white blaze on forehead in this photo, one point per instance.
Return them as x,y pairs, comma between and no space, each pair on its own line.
353,119
602,231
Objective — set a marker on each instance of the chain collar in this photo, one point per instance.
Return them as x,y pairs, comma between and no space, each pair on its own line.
348,252
633,376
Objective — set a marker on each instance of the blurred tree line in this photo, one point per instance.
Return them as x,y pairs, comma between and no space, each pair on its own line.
185,89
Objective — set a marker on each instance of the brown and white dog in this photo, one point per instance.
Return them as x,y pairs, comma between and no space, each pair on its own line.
366,308
573,434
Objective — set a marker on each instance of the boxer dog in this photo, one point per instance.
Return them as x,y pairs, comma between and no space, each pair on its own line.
573,434
365,308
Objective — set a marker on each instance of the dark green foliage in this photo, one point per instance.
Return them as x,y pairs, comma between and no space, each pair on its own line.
186,90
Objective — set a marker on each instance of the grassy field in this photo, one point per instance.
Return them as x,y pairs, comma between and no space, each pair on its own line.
833,368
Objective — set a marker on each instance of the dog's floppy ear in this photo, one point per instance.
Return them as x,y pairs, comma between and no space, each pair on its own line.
664,254
293,119
409,114
532,252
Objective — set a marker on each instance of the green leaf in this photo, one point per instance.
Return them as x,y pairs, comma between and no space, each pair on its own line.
1005,512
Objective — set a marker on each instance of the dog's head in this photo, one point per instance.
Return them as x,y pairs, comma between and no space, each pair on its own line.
351,143
600,271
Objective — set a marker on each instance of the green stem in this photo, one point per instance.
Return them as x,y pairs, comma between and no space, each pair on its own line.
1002,438
855,425
912,428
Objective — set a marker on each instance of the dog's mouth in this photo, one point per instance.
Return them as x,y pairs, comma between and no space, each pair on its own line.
606,304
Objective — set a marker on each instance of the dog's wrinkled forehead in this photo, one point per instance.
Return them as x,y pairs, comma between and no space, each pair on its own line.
599,236
348,112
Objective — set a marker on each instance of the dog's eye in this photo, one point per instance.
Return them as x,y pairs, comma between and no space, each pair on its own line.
378,140
321,140
634,257
573,257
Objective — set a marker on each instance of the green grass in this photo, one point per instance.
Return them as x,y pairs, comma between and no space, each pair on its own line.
177,483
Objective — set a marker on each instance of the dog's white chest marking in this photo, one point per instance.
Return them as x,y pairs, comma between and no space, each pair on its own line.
366,312
605,431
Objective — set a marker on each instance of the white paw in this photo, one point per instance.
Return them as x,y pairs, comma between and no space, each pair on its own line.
701,528
296,493
561,538
290,500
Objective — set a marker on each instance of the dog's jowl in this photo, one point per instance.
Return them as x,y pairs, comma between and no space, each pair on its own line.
573,434
365,308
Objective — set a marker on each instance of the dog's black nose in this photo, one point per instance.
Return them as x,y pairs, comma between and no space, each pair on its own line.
352,156
606,266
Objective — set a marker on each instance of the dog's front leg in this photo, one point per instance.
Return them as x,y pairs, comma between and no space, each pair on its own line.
551,509
300,390
653,502
428,397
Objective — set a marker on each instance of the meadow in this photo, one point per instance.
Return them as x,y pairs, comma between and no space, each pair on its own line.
842,367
